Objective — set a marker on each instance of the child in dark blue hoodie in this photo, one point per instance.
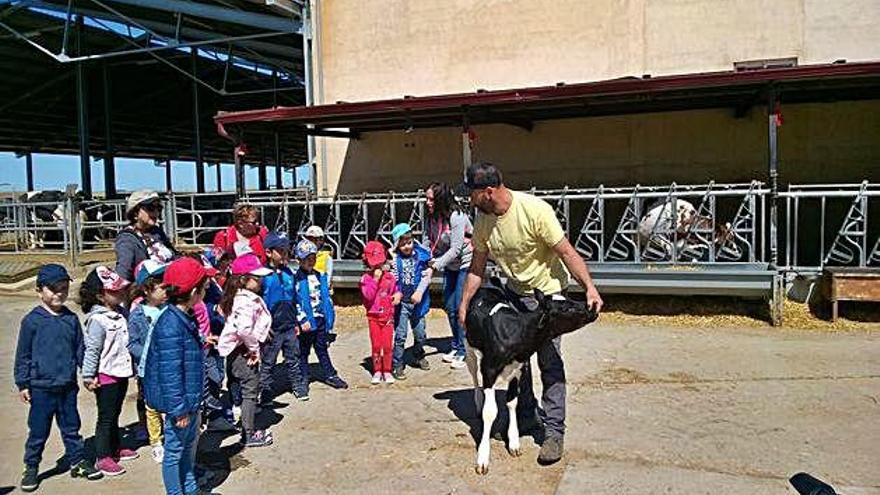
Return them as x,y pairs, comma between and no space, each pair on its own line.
279,294
50,348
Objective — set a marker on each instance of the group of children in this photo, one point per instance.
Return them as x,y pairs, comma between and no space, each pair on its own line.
200,335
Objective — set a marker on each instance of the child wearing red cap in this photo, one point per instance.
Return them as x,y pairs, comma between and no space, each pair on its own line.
174,372
107,364
248,322
380,295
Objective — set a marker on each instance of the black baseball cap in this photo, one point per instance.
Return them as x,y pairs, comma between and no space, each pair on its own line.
51,273
479,175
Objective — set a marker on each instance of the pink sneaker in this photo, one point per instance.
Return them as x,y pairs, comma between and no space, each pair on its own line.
126,455
109,467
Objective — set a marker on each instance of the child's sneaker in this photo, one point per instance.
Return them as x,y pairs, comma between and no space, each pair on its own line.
449,357
30,480
301,394
85,470
157,453
388,377
108,467
377,377
399,373
458,363
126,455
336,382
259,438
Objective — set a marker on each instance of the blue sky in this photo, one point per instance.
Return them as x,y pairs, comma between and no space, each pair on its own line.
56,171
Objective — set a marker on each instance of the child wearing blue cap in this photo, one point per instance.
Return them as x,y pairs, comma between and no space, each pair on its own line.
315,315
50,349
148,303
279,293
412,271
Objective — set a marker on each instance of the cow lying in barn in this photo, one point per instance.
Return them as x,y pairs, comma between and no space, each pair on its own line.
691,242
501,337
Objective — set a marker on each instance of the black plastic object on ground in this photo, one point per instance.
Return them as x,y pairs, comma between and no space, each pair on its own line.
807,485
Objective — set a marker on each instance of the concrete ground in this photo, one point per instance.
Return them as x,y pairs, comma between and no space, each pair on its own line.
650,410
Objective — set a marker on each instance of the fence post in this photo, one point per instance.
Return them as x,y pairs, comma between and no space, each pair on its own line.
73,229
170,215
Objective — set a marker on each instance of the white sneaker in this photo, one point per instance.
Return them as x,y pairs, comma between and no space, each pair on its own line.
158,453
388,377
236,414
377,377
449,357
458,363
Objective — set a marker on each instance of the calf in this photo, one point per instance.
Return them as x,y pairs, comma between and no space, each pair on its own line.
501,337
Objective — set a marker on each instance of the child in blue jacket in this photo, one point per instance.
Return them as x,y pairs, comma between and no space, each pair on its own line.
279,294
174,373
50,349
315,314
410,267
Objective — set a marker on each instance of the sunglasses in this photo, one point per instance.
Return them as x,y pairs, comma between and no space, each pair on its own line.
152,207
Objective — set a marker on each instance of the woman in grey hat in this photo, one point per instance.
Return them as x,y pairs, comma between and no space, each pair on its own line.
142,238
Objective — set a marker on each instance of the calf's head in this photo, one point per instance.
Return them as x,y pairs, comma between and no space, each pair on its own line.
560,315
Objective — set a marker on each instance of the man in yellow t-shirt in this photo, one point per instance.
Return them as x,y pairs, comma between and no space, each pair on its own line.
523,236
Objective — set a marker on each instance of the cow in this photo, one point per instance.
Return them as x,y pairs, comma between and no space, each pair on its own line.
656,227
502,335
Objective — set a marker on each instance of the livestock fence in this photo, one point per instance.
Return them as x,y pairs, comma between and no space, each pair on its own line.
700,238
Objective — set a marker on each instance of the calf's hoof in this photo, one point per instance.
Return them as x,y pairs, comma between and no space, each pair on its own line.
515,451
481,469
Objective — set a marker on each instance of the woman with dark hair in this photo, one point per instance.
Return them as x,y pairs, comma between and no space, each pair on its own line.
449,232
142,238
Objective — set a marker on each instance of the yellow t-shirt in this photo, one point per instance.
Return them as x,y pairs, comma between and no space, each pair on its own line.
521,243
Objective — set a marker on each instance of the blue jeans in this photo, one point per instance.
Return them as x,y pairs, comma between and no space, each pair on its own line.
404,318
58,403
317,338
178,465
453,285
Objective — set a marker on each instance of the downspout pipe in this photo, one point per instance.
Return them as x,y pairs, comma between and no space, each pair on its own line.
239,151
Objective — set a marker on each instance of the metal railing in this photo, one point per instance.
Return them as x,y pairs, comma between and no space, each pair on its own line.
828,225
706,224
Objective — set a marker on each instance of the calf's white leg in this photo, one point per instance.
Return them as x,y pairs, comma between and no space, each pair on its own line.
513,445
490,411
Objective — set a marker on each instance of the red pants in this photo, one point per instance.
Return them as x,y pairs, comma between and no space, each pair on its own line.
381,337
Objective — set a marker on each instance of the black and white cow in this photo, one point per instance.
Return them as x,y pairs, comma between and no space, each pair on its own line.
501,337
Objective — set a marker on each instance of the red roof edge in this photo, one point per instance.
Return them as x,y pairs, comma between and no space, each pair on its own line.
626,85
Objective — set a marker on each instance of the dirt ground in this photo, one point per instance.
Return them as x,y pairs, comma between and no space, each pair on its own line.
657,409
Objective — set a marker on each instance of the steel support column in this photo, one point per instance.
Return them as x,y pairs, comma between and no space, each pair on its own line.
465,144
219,178
200,162
279,179
29,170
309,93
262,178
239,173
168,183
773,175
109,159
82,114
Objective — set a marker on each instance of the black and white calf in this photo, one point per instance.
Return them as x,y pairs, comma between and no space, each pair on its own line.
501,337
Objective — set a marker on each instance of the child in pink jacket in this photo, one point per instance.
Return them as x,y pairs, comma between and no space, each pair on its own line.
248,323
380,295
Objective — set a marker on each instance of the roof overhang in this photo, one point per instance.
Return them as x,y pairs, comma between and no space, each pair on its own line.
739,90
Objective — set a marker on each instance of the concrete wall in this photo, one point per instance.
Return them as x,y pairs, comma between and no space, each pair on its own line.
827,142
372,50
